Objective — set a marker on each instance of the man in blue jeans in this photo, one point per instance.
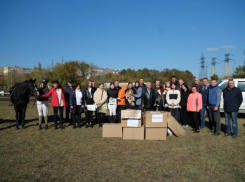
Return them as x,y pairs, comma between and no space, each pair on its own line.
204,91
232,101
214,98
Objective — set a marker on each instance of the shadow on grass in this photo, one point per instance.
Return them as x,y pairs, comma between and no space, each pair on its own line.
222,129
13,122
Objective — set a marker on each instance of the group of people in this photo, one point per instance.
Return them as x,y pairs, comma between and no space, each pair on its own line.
187,106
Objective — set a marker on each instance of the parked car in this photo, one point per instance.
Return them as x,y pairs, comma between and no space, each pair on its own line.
1,92
240,83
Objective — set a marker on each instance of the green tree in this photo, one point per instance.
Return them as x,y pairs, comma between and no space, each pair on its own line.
214,77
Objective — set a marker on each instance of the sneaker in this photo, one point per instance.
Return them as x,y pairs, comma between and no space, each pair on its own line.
196,131
234,136
62,127
186,126
91,125
87,126
67,124
226,134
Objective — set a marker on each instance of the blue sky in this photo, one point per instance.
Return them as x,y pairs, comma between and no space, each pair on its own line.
121,33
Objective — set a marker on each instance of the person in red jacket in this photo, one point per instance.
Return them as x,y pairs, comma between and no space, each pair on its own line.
194,105
57,102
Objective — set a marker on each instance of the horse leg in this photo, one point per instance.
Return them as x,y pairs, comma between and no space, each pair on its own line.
16,116
23,117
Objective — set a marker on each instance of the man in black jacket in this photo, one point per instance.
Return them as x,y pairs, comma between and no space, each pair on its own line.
148,98
174,81
68,90
232,101
142,83
117,87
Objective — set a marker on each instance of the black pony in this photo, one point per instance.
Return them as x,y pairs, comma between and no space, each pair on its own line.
20,96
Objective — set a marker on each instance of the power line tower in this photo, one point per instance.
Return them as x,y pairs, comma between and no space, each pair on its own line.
202,73
227,68
213,66
62,60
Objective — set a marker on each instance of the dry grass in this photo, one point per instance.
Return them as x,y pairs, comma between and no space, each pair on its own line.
83,155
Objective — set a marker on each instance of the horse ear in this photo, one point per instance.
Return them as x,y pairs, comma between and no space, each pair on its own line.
34,80
31,80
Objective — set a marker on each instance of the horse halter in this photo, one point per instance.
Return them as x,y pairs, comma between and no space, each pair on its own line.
30,87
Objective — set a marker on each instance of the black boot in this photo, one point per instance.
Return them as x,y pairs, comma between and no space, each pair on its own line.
55,127
46,127
110,119
99,119
40,127
113,119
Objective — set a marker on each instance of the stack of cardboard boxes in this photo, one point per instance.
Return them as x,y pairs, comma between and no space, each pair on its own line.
155,123
154,126
132,125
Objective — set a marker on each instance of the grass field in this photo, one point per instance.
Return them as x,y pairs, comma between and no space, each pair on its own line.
83,155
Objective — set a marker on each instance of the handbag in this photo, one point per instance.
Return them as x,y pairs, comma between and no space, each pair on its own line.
103,108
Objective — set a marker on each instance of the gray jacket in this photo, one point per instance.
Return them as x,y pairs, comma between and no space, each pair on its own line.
138,95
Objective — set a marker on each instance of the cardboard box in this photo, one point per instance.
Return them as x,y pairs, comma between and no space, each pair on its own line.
131,114
175,127
133,133
155,119
112,130
155,133
131,123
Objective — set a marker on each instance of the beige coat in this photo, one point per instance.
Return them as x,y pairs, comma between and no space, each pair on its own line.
97,96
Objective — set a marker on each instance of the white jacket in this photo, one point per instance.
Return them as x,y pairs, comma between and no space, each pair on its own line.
173,96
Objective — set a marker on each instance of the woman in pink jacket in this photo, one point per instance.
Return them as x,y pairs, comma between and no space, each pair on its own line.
194,105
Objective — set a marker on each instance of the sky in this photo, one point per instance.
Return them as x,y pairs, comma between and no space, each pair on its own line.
121,34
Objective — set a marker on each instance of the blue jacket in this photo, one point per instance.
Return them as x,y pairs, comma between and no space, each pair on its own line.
204,91
73,102
138,96
232,99
214,96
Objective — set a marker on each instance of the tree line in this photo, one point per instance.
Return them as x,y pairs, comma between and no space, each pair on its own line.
81,72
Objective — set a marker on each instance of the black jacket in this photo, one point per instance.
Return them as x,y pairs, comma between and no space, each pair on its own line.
112,93
232,99
93,90
148,100
42,91
184,97
68,92
87,96
117,88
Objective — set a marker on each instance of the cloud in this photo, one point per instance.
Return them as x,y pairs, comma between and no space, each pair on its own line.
212,49
229,46
222,47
